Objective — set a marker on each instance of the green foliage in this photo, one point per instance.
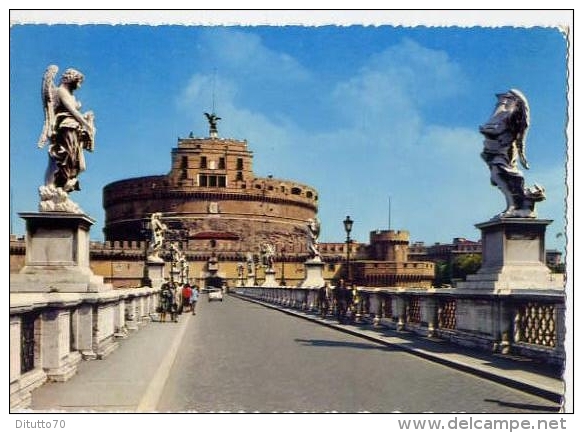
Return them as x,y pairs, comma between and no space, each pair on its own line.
442,274
460,267
466,264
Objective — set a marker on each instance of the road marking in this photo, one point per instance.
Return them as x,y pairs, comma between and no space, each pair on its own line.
150,400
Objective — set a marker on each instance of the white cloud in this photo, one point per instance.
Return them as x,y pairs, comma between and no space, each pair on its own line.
245,54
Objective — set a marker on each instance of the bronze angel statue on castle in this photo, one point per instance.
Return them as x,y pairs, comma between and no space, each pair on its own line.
67,132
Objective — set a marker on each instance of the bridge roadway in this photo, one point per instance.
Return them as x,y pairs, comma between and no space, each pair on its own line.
240,356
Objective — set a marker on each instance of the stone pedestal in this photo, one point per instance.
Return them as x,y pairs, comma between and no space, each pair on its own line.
513,257
103,330
250,281
269,279
314,271
119,324
156,273
85,337
57,255
59,363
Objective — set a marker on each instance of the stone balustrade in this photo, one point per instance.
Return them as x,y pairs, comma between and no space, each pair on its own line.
51,333
530,324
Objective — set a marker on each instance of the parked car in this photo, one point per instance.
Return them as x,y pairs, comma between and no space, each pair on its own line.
216,295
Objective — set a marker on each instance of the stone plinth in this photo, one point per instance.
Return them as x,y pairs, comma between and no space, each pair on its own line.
250,281
314,271
513,257
59,363
57,255
156,273
269,279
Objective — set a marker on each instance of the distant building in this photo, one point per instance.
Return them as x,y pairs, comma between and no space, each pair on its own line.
439,252
387,263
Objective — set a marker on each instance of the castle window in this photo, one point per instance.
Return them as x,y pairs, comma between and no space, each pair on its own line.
296,191
239,175
239,163
212,181
222,164
309,194
203,162
183,174
184,162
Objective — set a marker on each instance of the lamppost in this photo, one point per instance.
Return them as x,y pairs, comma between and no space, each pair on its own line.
146,232
111,245
282,283
172,262
348,228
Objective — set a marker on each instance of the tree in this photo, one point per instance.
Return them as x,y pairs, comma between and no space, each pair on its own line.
442,276
466,264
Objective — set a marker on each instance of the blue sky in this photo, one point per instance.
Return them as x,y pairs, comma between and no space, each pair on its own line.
362,113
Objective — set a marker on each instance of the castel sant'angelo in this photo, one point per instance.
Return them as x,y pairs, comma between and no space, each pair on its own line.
212,201
215,207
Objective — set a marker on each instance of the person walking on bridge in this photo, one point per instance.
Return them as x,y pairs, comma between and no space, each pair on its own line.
186,293
193,299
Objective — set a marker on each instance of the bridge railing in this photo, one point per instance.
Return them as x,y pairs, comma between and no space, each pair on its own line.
531,324
50,333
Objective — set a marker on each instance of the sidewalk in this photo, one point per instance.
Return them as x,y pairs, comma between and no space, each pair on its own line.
513,371
129,380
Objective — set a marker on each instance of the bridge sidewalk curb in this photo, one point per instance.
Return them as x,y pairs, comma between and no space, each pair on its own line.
536,384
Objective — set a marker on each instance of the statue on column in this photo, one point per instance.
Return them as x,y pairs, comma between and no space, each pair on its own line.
68,132
313,235
267,252
505,145
240,270
250,265
158,230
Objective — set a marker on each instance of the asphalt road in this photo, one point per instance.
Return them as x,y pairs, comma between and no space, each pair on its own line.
237,356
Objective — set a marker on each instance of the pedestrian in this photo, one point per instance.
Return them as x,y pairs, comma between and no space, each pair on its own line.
323,299
186,293
174,304
193,299
166,301
341,300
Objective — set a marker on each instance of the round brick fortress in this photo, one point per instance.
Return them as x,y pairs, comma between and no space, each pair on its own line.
212,202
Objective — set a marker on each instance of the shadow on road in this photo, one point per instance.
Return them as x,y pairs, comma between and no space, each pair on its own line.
343,344
529,407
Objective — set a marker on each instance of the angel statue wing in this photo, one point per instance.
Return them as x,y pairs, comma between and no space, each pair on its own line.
523,121
48,94
212,118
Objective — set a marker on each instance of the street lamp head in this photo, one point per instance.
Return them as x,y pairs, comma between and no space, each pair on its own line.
348,225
